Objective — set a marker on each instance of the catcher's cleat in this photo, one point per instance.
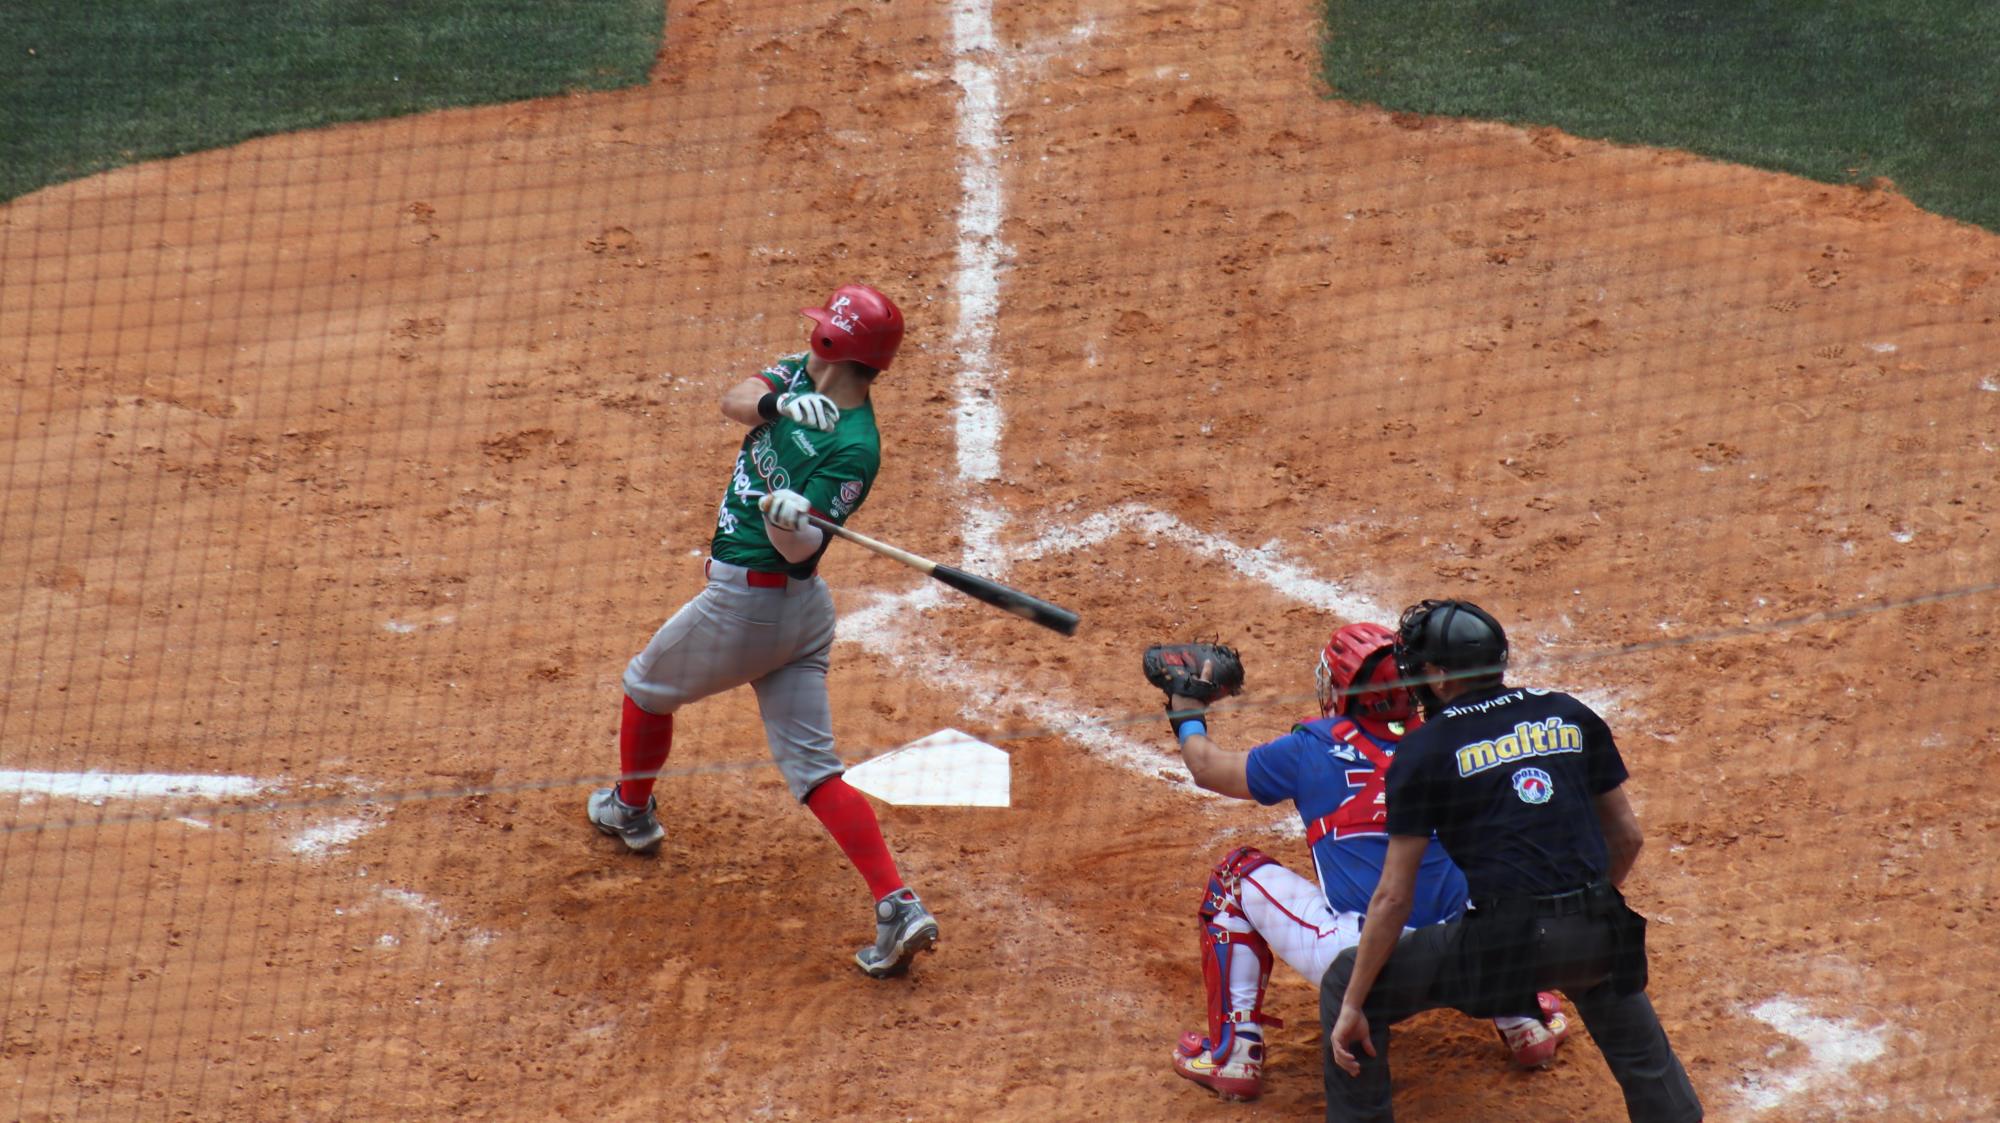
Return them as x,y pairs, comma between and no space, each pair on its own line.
1239,1075
903,927
1534,1044
637,827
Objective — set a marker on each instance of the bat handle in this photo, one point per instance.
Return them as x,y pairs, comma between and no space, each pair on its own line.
914,561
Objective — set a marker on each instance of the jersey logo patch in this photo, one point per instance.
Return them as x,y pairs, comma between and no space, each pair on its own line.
1533,785
846,498
799,439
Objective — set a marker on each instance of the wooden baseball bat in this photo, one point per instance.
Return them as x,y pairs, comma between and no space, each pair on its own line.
1049,616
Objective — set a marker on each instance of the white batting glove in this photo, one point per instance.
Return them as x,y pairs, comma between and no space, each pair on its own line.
815,411
785,509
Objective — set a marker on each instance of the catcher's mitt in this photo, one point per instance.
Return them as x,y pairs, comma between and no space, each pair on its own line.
1201,671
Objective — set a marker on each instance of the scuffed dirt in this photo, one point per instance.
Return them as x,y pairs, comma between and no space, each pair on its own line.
362,459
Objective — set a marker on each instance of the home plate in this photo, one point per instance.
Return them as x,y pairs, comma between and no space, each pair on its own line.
945,769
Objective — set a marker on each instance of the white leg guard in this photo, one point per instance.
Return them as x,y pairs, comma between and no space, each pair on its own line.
1248,974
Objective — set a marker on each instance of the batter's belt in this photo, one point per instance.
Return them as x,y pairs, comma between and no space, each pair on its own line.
755,578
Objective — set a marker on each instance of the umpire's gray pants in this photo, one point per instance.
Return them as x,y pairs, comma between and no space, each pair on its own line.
1572,954
774,639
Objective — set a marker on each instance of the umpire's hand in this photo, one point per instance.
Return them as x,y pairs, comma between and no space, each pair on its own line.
1350,1027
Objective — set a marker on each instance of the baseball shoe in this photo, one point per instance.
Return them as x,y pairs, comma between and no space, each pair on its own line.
903,927
1534,1044
1239,1076
637,827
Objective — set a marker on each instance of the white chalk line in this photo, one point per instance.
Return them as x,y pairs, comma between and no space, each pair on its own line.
325,839
888,626
882,629
1834,1049
431,915
314,843
96,787
1264,564
976,281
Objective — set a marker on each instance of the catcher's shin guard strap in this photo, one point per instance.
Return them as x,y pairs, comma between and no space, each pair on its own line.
1219,950
1226,934
1225,881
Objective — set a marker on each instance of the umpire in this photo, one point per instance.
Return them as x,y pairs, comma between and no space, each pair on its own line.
1523,788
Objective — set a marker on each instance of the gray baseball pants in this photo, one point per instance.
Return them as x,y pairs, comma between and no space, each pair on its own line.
775,639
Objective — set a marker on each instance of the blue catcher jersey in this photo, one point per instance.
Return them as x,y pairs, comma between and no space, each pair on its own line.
1336,774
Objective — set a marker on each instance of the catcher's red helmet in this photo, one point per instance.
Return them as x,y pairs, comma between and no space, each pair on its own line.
858,323
1363,654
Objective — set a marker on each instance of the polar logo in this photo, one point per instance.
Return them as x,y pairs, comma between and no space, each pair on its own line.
1533,785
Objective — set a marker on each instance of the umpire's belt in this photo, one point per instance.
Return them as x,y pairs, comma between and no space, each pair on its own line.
755,578
1567,903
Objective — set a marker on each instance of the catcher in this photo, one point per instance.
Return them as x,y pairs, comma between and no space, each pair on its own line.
1254,909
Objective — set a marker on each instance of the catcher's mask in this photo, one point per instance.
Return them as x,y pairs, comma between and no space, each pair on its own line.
1362,654
1461,638
858,324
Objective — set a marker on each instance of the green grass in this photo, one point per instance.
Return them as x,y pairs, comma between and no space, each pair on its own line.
1837,90
91,84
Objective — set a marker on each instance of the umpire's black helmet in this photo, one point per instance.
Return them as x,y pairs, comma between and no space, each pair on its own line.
1457,635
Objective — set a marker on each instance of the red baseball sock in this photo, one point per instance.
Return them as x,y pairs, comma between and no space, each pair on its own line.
851,822
644,739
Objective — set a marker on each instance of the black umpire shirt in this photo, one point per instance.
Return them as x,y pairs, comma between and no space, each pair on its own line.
1507,777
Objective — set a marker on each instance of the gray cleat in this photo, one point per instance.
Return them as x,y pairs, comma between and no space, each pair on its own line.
903,927
637,827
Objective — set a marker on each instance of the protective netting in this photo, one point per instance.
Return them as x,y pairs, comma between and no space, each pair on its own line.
346,469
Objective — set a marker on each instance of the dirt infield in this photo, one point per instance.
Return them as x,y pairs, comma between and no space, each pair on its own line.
356,463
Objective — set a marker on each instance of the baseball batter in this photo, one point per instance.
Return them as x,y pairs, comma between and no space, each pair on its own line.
1333,769
766,619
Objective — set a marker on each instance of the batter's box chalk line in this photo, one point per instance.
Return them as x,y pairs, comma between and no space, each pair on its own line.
96,788
888,627
1835,1048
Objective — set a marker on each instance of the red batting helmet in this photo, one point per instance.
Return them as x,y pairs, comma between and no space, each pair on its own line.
858,323
1363,654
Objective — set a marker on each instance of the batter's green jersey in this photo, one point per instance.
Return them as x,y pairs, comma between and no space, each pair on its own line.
832,470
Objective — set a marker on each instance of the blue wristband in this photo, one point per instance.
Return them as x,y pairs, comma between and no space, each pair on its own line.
1190,727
